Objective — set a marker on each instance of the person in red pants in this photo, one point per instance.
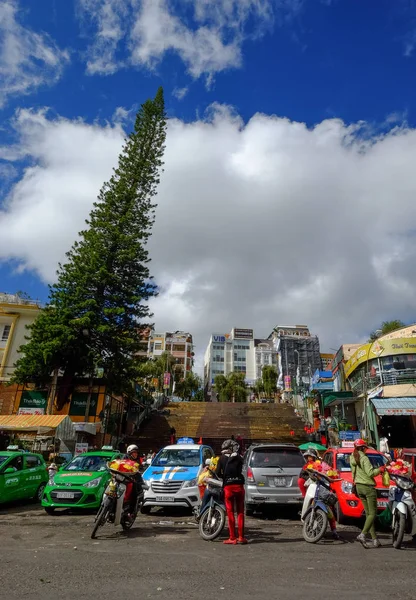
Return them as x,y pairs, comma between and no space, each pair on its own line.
229,469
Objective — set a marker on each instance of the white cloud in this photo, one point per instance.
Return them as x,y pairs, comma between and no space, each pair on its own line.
258,223
27,59
207,35
180,93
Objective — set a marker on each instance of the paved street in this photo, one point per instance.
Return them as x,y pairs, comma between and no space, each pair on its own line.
163,557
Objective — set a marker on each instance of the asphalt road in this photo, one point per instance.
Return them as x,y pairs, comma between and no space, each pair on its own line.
163,557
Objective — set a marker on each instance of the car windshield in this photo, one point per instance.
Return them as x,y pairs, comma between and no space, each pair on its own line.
177,458
277,457
343,461
87,463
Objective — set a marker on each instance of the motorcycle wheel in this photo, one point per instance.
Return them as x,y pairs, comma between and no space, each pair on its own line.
314,526
100,520
398,530
212,523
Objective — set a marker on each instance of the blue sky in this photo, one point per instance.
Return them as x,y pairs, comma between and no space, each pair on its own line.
78,70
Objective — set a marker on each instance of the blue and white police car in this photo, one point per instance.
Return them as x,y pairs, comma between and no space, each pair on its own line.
172,478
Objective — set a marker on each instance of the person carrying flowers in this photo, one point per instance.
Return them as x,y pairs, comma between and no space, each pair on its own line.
363,476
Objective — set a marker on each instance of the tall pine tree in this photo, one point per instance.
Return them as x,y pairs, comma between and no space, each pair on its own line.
99,302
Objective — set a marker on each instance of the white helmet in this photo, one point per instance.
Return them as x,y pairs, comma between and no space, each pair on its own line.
132,448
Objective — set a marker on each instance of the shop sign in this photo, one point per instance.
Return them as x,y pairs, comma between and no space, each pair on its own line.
397,412
79,404
243,334
218,339
349,435
81,448
31,411
380,348
31,399
345,444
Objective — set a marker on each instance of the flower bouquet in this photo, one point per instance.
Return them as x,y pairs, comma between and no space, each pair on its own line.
316,465
399,467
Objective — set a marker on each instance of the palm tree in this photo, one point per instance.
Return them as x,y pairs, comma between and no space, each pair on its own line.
386,327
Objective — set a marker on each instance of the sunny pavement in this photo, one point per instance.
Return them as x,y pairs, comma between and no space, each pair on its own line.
163,557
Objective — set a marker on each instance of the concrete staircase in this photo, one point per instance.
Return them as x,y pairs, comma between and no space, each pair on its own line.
214,422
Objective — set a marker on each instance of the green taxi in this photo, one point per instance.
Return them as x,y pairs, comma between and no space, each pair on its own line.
80,483
23,476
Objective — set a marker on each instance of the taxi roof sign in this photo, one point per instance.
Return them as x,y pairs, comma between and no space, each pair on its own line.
185,440
12,448
107,448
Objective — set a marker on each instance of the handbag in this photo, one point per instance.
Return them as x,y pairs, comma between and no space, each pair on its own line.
354,487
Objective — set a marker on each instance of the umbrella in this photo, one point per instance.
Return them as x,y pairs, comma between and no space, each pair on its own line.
312,445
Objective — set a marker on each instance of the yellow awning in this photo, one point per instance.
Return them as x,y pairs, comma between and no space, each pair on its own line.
31,422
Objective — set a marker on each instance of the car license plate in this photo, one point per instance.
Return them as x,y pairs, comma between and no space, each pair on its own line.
382,503
65,495
165,499
280,481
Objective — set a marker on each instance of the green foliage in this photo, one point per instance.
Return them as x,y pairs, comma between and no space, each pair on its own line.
189,385
100,299
269,377
231,388
386,327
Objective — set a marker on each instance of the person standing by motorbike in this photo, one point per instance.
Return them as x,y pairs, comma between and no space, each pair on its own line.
363,474
229,469
310,456
132,493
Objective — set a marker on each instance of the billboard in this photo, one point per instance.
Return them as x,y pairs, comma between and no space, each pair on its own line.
243,334
166,380
380,348
218,338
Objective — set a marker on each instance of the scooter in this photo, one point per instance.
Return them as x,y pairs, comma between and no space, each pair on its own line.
403,508
212,519
113,507
318,500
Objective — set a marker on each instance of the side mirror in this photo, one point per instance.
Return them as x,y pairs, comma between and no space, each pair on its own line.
9,470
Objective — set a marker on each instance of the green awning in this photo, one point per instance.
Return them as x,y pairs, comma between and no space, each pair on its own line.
334,398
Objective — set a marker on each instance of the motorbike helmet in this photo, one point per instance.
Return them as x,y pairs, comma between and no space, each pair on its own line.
132,448
229,446
360,444
311,452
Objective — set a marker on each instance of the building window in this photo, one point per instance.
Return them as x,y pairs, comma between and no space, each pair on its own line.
178,348
6,333
158,345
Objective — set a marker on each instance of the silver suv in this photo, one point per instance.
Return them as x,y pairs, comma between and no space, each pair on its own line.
272,472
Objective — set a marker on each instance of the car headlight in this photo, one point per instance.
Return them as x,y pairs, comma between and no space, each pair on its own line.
346,487
191,483
93,483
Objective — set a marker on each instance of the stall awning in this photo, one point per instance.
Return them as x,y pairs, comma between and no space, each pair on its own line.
87,427
334,398
394,406
30,422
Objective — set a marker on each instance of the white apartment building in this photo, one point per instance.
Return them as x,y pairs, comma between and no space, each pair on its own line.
15,314
236,352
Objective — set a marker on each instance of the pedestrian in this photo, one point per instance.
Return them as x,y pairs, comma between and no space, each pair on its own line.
229,469
172,435
363,474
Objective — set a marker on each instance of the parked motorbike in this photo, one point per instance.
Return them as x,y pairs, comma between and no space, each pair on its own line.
318,500
402,507
113,507
212,519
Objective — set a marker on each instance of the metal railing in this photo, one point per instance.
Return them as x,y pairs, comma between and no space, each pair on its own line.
391,377
16,299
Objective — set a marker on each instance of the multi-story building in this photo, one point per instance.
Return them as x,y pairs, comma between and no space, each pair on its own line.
16,313
298,354
265,355
230,353
178,344
326,361
382,377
